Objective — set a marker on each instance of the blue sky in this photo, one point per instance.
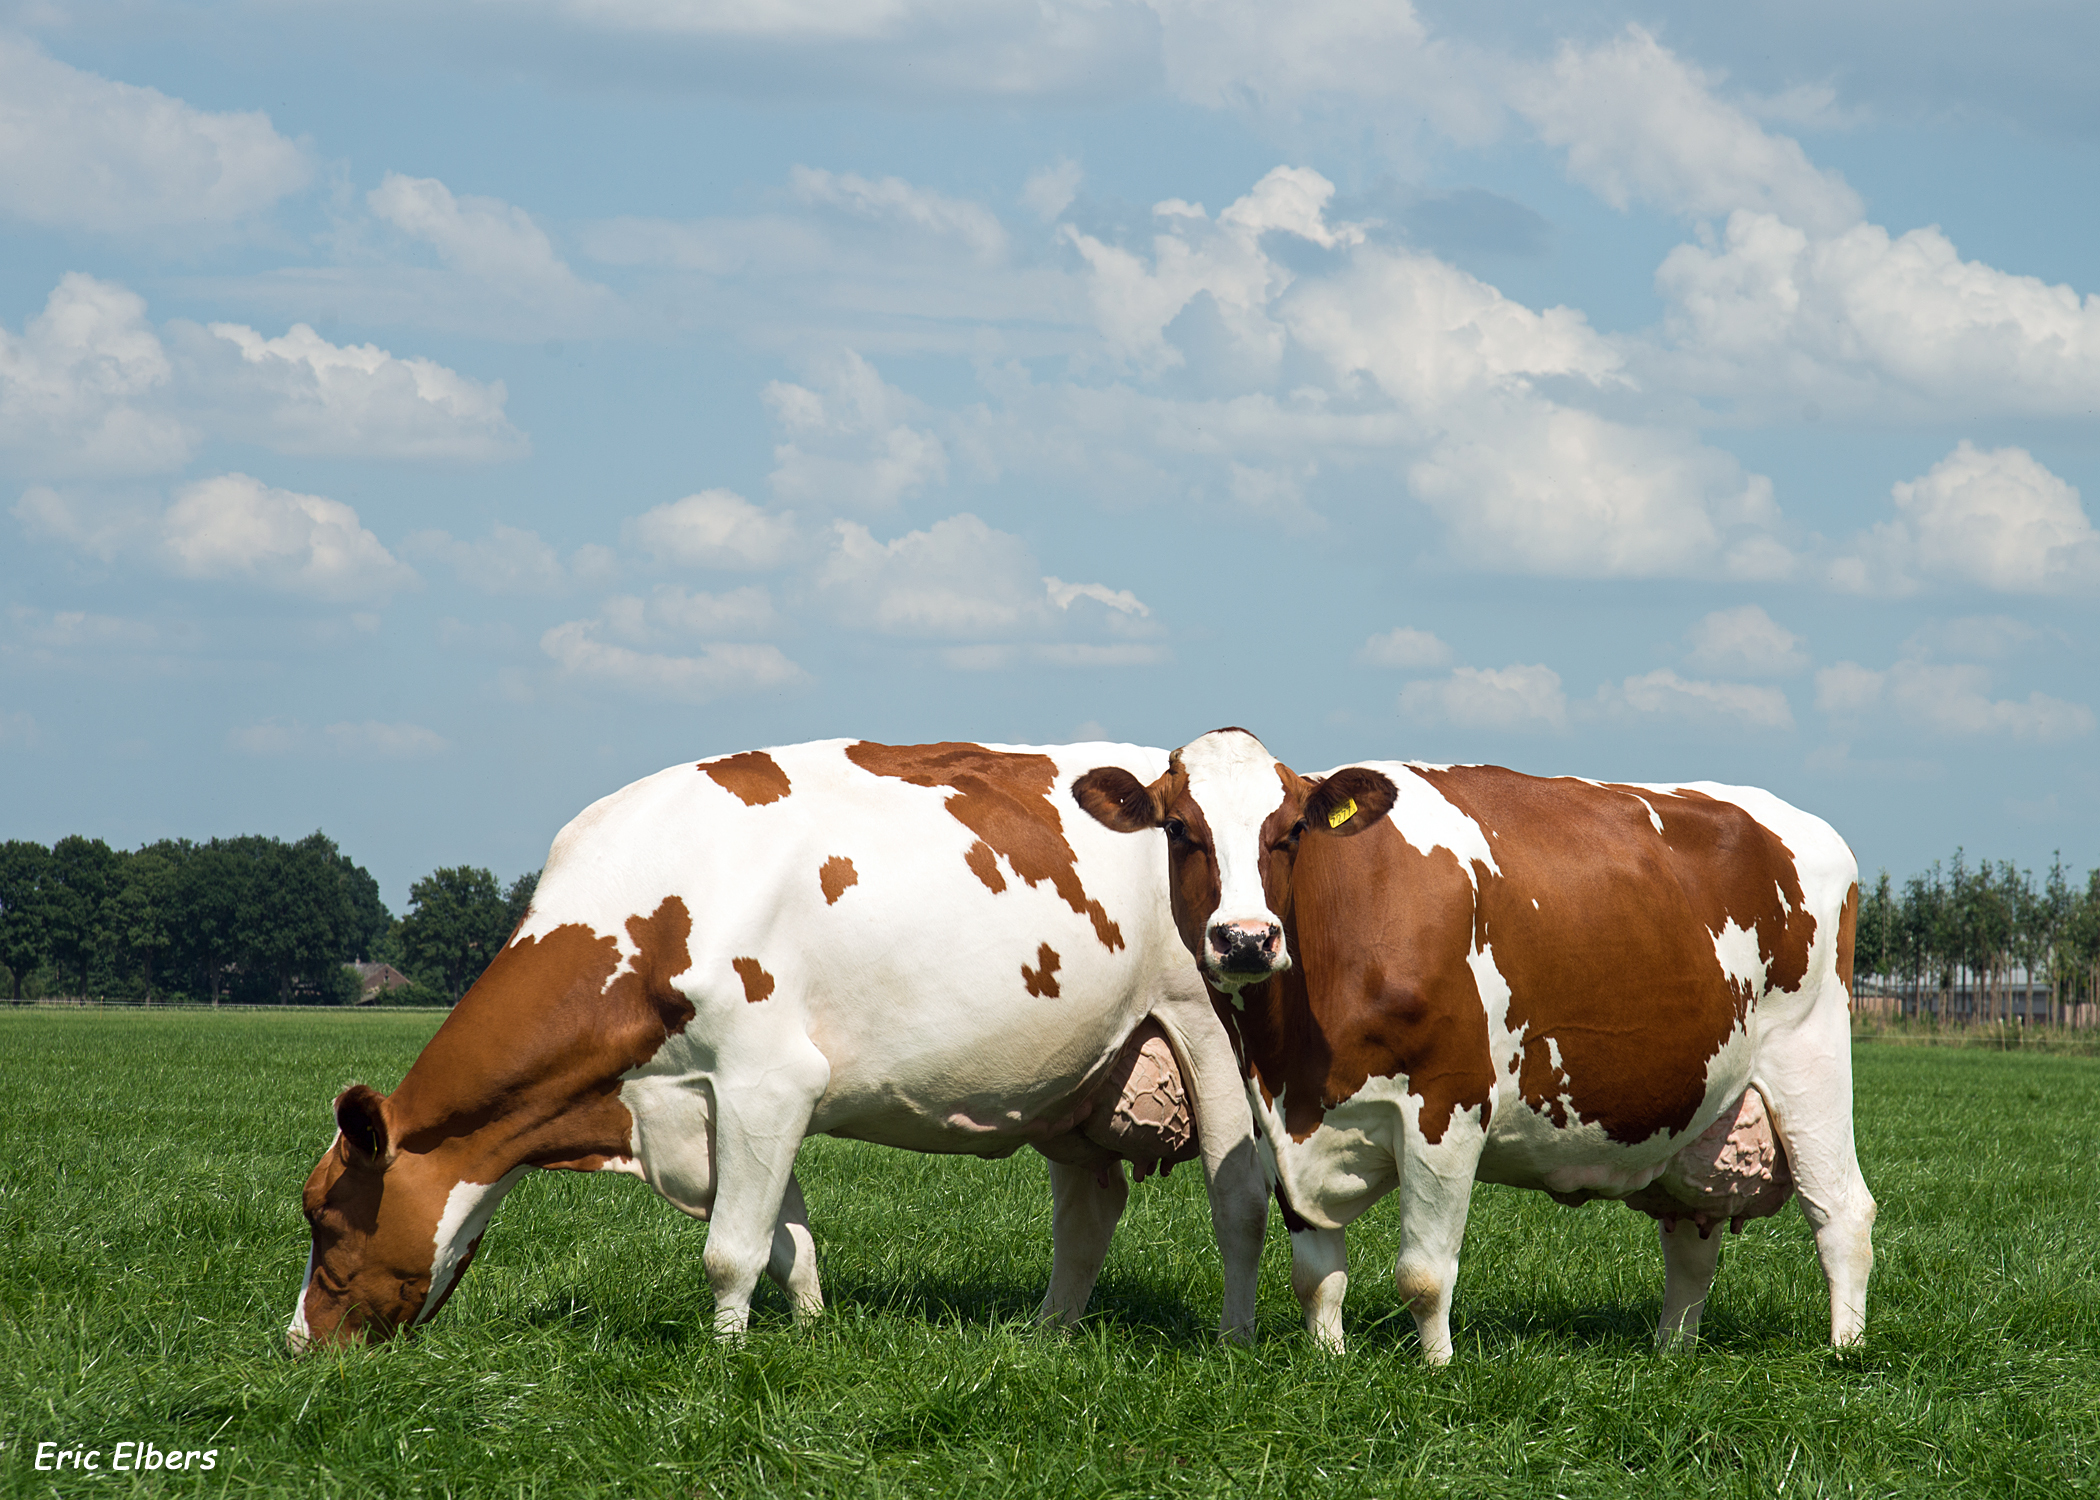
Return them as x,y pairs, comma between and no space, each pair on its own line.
417,421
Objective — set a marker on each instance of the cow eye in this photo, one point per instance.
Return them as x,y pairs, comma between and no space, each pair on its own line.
1290,840
1177,830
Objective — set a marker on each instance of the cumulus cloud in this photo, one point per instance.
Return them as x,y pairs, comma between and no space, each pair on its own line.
1997,519
1403,647
1720,705
1558,490
496,247
1866,322
671,611
848,446
89,387
238,528
1515,698
304,394
82,152
1950,700
230,528
714,529
1050,192
958,577
1639,122
1745,641
75,386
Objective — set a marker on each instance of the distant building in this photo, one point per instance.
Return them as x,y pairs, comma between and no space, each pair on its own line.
374,980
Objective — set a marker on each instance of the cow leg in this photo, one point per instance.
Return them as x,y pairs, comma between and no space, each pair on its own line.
1320,1277
793,1263
1812,1115
1232,1171
759,1125
1436,1192
1083,1215
1688,1274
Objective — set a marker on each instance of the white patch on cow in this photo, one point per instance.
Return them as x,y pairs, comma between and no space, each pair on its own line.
1428,820
1233,779
298,1335
625,1165
1737,951
1784,905
1653,816
466,1215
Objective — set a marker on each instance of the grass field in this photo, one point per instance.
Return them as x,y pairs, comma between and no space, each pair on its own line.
149,1179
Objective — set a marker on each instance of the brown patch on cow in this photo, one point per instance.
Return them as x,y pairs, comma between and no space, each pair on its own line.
753,776
1616,964
526,1070
1848,932
1380,988
835,876
1042,979
985,866
757,982
1004,799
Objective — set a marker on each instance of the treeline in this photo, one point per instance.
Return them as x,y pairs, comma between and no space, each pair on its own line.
1983,943
250,920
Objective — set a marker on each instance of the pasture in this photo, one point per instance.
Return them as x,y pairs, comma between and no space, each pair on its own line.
150,1167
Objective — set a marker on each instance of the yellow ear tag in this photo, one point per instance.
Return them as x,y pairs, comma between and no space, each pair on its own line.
1342,814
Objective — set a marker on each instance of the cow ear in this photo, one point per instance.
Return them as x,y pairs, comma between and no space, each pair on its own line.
360,1115
1116,799
1349,801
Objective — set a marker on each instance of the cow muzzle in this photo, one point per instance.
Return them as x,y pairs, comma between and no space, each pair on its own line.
1243,951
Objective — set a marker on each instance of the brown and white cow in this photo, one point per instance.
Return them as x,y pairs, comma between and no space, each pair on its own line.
1437,975
927,946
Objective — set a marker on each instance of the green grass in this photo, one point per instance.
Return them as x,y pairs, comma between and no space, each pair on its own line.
149,1176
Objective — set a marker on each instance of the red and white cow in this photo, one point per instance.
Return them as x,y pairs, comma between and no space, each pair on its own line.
927,946
1443,974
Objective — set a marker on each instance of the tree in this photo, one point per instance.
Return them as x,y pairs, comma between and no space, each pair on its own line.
456,923
24,945
78,885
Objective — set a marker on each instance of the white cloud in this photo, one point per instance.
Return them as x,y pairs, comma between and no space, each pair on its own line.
1993,518
1556,490
81,152
894,199
1747,641
958,577
713,529
717,671
1403,647
496,247
1050,192
1504,698
848,446
1864,322
1430,334
235,527
306,395
1728,705
1951,700
73,385
1637,121
364,739
1121,600
1977,637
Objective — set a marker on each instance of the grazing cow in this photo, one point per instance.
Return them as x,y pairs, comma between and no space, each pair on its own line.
922,945
1443,974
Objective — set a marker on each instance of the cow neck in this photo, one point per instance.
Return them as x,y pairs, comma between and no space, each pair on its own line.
526,1071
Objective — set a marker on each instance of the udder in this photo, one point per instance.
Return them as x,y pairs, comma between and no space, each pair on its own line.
1734,1171
1140,1112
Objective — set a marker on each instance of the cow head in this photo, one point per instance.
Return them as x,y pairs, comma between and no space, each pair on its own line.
1233,816
389,1231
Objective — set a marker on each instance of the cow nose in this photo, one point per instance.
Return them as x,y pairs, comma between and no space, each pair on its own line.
1246,947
